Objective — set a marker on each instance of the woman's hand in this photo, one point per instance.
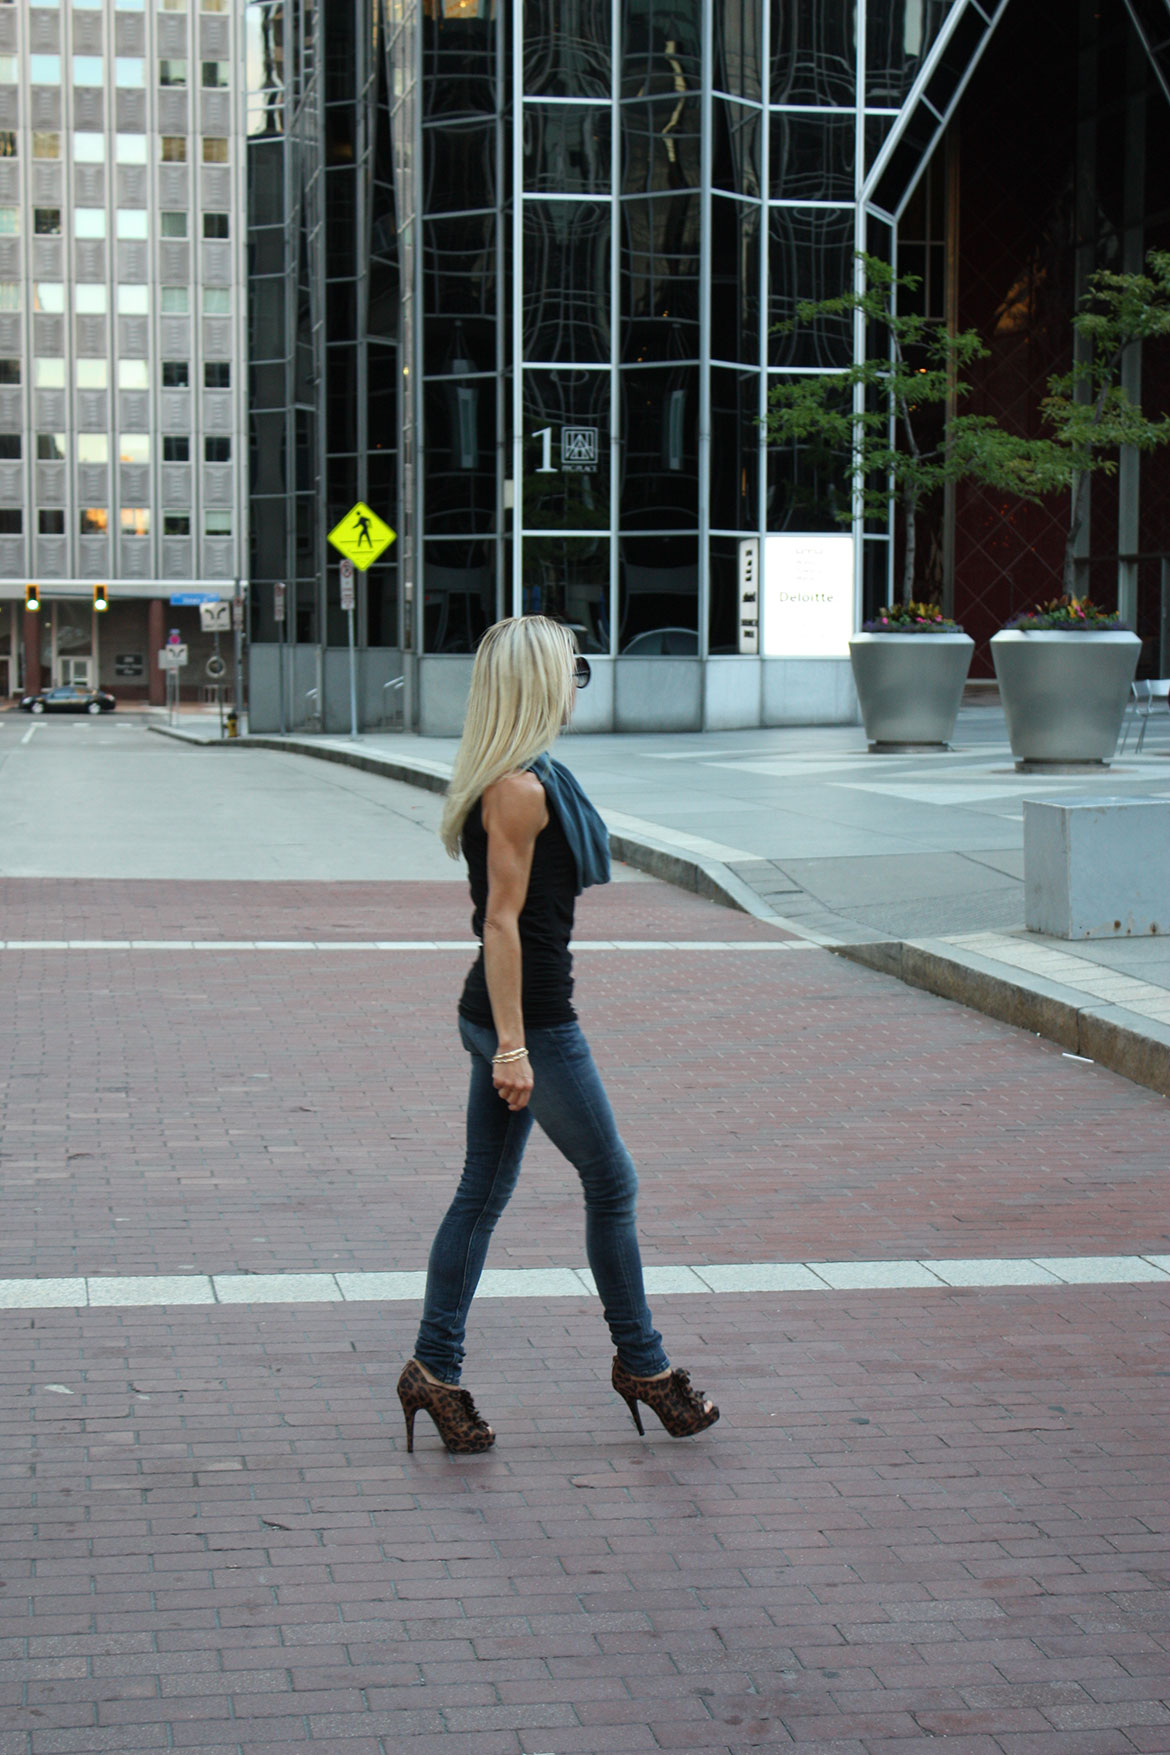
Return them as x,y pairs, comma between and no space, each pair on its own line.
513,1080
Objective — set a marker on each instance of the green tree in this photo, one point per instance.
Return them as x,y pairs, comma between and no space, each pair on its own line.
1087,411
918,367
881,444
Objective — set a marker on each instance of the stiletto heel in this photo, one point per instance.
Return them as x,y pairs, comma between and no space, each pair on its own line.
459,1423
631,1402
682,1410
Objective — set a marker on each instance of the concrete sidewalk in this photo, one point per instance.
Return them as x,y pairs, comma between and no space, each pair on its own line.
913,865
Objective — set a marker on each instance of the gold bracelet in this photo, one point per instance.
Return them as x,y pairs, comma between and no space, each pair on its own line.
508,1055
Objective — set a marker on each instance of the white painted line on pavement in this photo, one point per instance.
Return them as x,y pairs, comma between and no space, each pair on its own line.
104,1291
1099,1270
704,755
761,1276
463,945
276,1288
148,1289
28,736
390,1288
530,1283
672,1279
873,1276
692,944
992,1273
43,1294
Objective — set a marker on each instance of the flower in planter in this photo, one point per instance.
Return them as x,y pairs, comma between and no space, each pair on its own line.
911,618
1069,614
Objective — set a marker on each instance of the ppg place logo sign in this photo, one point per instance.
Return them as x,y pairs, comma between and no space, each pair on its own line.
580,451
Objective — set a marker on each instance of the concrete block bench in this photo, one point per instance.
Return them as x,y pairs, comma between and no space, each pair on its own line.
1097,867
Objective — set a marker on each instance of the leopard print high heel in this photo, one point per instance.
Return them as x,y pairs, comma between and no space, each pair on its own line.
460,1425
682,1410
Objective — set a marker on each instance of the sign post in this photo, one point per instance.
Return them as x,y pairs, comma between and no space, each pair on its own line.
360,538
278,602
238,661
217,670
172,658
213,617
347,595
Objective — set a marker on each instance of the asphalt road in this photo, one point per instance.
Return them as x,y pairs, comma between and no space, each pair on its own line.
103,798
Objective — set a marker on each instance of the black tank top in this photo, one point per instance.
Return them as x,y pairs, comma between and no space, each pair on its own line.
546,923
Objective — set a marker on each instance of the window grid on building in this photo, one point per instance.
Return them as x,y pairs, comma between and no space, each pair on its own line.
95,292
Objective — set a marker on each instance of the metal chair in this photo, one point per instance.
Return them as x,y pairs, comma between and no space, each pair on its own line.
1144,697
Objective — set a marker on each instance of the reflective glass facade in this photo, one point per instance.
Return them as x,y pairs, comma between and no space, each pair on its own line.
518,267
324,315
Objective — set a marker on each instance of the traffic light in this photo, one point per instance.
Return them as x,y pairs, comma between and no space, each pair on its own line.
101,599
32,598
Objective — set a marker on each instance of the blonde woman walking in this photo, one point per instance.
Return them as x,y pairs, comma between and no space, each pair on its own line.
532,842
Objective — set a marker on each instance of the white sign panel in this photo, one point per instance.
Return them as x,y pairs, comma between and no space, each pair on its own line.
749,594
807,596
215,616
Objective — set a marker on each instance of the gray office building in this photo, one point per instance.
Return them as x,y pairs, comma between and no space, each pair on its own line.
121,332
520,275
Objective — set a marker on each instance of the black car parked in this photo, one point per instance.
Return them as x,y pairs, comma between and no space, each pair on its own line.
74,698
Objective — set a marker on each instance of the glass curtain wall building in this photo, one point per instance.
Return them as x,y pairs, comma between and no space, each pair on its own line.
525,267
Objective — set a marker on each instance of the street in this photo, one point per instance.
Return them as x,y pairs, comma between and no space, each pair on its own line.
102,798
921,1260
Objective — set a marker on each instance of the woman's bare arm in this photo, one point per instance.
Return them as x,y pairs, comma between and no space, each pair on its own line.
514,813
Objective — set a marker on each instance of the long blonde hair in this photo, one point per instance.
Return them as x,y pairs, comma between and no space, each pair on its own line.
521,697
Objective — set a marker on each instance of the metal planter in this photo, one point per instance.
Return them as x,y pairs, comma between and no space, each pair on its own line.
1064,694
909,686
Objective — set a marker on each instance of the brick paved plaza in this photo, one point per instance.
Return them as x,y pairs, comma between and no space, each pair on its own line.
929,1514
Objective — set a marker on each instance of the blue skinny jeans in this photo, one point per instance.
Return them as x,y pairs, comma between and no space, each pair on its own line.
569,1104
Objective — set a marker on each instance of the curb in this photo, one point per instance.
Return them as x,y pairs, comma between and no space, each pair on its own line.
1138,1048
705,877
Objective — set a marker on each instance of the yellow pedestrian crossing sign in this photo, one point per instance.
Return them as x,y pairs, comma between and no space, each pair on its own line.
361,536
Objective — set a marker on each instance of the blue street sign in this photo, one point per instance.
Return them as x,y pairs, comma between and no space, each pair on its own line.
188,597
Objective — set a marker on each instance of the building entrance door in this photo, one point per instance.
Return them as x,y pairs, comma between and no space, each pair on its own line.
75,670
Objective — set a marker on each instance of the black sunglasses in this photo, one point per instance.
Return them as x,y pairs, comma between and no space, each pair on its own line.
581,673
